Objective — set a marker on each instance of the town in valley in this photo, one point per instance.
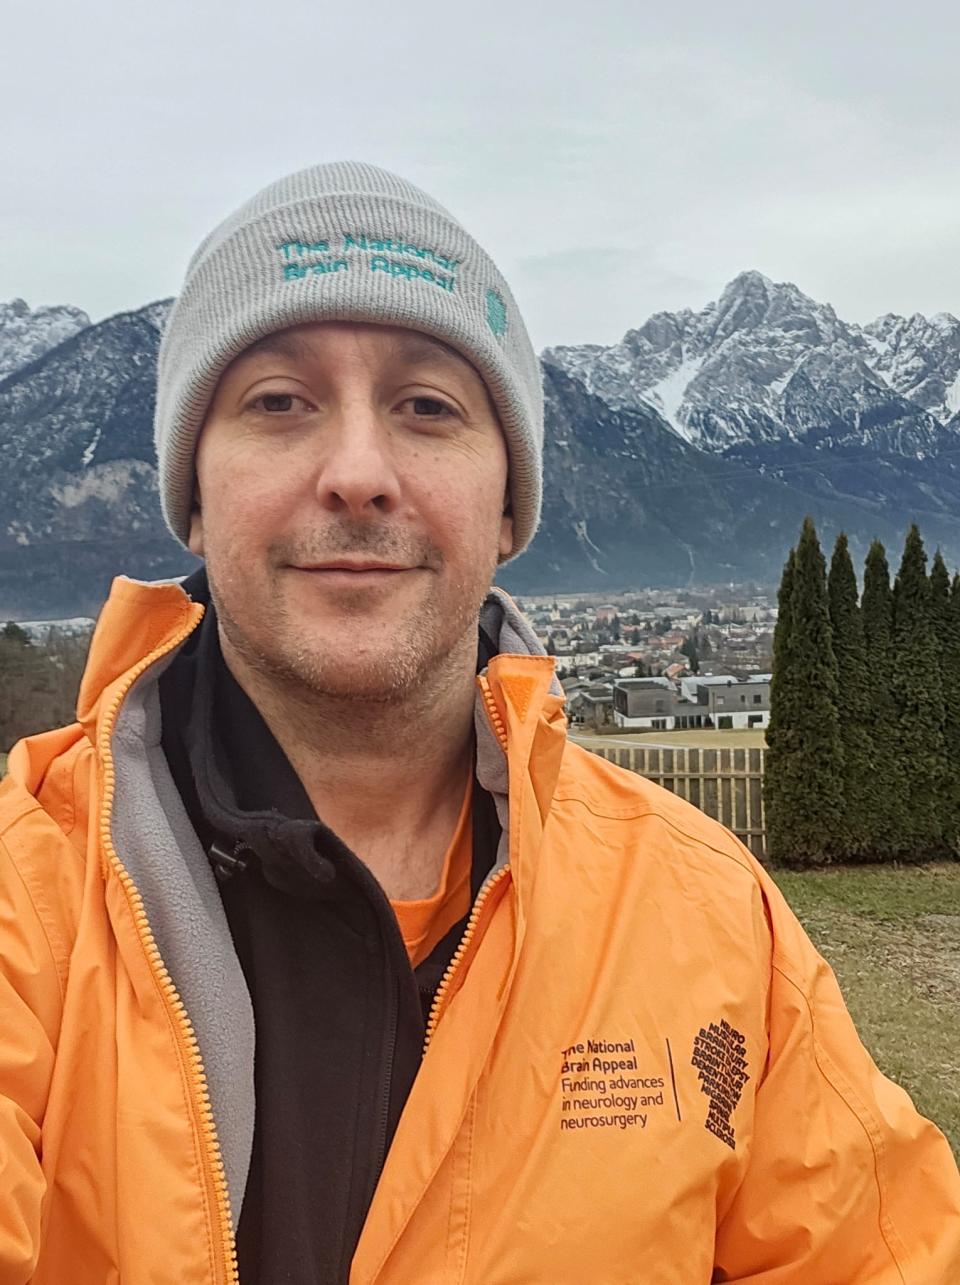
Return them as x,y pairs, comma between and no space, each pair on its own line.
661,660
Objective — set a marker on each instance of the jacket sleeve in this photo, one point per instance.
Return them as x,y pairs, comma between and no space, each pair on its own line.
846,1183
29,1019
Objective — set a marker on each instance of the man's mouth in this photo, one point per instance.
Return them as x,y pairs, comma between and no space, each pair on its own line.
356,566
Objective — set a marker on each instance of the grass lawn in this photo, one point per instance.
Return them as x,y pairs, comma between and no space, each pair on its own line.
892,936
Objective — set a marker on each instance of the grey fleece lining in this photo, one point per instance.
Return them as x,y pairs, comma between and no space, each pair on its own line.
501,619
159,848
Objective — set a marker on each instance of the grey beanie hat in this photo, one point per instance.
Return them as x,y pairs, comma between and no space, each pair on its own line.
344,242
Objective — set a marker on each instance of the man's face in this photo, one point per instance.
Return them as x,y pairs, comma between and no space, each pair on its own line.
351,506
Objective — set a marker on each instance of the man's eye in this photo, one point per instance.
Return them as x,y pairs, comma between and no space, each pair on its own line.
274,401
430,407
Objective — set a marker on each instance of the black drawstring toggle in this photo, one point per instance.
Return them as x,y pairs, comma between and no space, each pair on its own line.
226,863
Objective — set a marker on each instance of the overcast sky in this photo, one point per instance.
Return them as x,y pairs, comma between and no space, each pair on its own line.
616,159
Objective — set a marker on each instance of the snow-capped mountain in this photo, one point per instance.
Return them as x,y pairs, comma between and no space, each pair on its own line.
26,334
627,501
766,363
78,490
919,357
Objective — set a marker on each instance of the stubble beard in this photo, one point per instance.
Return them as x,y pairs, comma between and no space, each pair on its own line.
418,651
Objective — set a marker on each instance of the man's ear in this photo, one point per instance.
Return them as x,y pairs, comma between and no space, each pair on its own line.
506,528
195,538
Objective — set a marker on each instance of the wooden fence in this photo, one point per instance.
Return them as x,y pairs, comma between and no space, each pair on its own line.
727,784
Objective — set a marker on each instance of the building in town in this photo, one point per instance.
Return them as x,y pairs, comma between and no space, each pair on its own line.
720,701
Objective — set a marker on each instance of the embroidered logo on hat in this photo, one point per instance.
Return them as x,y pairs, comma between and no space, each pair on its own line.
496,313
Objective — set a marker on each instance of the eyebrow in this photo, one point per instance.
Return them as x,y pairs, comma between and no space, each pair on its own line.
280,344
417,347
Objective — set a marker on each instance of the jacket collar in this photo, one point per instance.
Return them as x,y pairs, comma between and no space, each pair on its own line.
139,621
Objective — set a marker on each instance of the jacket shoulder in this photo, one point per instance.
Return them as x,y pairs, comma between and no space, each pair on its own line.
613,791
683,848
45,802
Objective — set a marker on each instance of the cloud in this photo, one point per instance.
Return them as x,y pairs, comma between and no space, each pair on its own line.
616,160
590,294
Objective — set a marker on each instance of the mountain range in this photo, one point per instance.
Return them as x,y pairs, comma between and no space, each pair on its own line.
687,453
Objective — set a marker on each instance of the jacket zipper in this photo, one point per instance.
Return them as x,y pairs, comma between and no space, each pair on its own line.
500,731
186,1037
435,1009
493,713
391,1046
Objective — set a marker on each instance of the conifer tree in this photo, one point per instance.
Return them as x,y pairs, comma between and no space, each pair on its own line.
804,763
781,630
939,581
945,603
781,691
855,723
886,819
920,708
777,761
939,592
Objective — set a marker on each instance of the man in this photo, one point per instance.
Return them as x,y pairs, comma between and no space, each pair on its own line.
325,956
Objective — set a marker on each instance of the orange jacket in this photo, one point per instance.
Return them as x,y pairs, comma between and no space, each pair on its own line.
638,1068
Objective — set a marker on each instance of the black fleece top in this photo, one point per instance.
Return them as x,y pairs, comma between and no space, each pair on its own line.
339,1013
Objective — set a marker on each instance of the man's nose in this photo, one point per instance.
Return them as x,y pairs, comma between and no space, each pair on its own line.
357,474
